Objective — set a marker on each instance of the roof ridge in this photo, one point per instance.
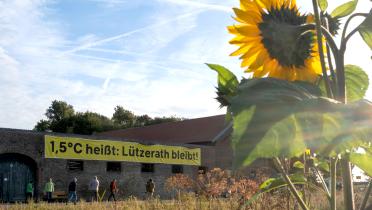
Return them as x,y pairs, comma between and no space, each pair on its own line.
159,124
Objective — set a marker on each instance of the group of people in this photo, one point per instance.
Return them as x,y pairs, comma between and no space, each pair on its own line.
93,188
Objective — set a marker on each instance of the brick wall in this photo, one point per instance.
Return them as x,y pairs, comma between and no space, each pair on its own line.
131,180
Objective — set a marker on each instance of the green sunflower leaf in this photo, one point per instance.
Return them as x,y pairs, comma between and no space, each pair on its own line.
353,129
321,164
258,107
344,9
363,161
227,83
298,164
274,118
365,30
323,4
281,139
357,83
275,183
322,87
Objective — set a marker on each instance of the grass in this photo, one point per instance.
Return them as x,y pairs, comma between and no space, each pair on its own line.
187,201
132,204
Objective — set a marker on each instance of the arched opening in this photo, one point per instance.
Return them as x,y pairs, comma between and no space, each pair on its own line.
16,171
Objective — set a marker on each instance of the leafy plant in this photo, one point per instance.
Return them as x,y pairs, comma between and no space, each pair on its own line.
276,116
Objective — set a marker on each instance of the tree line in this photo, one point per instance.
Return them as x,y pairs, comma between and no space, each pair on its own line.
62,118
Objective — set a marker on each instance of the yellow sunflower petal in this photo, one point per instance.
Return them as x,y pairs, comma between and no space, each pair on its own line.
288,73
232,29
252,51
257,73
268,65
306,74
267,3
250,16
262,4
293,4
248,5
262,71
292,73
260,60
274,65
242,49
310,18
248,70
286,3
248,30
244,40
275,72
248,60
313,64
279,4
266,68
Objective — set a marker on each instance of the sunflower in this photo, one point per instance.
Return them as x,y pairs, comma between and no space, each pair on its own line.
271,43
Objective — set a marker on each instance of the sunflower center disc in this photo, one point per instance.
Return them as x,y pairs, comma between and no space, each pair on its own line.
283,40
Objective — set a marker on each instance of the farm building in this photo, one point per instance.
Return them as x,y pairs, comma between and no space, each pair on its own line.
132,156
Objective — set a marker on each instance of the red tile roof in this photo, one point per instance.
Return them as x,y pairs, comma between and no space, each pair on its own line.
197,130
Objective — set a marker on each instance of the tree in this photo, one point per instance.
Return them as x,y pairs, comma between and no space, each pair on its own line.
42,125
164,119
89,122
123,118
59,110
142,120
62,118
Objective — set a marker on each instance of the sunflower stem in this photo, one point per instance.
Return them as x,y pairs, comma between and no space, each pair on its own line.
341,77
347,178
348,21
330,64
348,185
345,38
333,183
350,35
290,184
338,56
305,175
341,96
332,70
320,48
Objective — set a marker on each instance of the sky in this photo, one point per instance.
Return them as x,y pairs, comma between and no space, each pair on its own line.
146,55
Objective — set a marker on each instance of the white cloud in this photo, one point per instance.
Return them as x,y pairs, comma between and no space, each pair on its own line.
202,4
35,73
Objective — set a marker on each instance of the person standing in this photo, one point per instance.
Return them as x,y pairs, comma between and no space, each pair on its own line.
94,187
29,191
150,188
113,190
72,195
49,189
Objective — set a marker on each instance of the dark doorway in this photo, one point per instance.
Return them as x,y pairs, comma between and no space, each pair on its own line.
15,172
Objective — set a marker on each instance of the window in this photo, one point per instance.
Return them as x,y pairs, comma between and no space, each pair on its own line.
202,169
147,167
113,166
75,165
177,169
